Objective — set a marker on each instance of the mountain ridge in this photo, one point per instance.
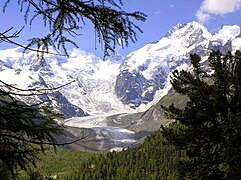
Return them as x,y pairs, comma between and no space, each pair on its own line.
148,69
116,98
138,79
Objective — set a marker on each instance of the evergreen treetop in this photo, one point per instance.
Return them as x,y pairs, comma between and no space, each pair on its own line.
211,121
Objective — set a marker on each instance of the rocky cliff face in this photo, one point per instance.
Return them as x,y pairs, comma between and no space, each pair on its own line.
118,84
106,93
89,83
145,72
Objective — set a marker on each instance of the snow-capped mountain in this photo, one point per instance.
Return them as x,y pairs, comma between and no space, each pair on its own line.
113,89
92,80
144,74
113,86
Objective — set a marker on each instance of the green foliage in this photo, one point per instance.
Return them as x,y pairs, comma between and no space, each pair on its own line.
154,159
61,163
211,122
24,128
151,160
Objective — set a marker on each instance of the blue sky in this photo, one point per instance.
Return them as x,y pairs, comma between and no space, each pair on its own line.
162,16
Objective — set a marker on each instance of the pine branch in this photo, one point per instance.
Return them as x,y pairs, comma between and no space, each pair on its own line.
2,135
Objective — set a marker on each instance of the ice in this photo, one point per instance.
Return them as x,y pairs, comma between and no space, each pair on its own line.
93,79
226,33
120,137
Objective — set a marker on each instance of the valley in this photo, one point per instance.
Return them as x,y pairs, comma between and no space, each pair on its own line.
116,101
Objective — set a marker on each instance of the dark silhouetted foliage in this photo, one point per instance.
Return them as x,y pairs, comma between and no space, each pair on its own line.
211,121
66,18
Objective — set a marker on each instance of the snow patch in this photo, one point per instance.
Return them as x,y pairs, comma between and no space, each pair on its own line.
226,33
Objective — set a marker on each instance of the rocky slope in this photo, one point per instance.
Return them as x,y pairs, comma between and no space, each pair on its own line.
91,80
117,101
144,74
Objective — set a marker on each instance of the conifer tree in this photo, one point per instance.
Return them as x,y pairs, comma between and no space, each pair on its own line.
66,18
26,128
210,124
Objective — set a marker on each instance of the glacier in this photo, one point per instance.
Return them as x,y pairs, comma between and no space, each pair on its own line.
119,85
145,73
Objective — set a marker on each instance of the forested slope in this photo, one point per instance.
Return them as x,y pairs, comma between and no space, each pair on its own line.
153,159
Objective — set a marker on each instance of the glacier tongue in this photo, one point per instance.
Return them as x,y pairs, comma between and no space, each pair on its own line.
118,85
117,137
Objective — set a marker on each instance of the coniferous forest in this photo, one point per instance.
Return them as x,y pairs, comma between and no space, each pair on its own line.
204,142
154,159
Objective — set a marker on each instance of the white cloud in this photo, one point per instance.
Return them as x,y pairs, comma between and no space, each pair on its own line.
202,16
216,7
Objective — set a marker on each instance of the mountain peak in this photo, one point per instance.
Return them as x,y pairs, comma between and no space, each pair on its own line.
137,80
145,73
230,31
182,29
175,28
